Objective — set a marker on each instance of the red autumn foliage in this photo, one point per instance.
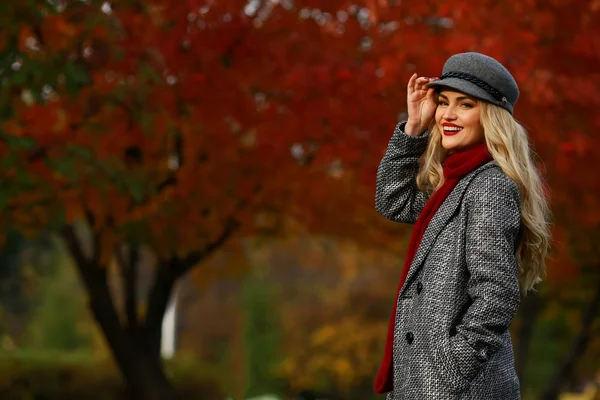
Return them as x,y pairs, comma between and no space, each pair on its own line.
164,122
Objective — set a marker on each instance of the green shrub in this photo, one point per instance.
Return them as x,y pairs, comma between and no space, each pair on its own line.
41,376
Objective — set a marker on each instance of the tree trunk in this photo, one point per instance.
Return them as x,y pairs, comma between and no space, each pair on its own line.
143,373
158,299
578,347
141,369
134,345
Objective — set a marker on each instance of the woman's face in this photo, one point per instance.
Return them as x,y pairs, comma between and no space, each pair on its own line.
457,117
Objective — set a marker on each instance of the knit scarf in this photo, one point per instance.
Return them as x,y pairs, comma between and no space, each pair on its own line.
456,166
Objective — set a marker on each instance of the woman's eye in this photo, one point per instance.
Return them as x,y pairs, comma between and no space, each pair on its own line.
467,105
442,103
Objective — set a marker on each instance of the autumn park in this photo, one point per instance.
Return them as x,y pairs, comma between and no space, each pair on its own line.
187,191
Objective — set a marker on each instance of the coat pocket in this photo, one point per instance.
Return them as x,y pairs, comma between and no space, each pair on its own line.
447,370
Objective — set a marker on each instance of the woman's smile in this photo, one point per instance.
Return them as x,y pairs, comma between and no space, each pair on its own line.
451,129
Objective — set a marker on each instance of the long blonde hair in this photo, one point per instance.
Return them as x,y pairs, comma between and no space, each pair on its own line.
508,144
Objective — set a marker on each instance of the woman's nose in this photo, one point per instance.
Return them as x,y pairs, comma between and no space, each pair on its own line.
449,113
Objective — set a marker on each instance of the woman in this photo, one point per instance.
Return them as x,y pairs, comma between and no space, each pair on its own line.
480,239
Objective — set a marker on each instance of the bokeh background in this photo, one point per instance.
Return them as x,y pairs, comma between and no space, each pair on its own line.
187,190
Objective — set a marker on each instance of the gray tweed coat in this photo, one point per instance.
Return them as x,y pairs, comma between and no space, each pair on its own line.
451,338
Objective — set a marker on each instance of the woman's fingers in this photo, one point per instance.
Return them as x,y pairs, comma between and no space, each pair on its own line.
419,92
421,83
430,93
416,83
411,83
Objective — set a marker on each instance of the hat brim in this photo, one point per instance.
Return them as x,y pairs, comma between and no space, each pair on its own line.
470,89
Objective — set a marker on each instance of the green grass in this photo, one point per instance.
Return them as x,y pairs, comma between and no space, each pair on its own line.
26,374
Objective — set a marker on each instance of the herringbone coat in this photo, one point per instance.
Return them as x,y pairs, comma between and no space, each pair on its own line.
451,338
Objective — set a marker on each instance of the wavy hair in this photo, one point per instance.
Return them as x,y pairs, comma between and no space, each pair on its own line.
508,144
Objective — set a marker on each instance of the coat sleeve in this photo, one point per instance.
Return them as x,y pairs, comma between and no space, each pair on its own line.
397,196
493,222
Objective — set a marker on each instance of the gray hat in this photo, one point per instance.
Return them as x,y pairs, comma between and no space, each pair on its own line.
480,76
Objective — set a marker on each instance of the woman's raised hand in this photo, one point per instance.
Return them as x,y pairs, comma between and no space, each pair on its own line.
421,105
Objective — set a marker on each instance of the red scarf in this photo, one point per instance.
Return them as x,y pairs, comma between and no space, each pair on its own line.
456,166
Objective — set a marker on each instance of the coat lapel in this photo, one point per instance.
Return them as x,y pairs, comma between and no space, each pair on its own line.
439,221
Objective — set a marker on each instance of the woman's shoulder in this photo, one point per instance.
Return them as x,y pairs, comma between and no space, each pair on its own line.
490,183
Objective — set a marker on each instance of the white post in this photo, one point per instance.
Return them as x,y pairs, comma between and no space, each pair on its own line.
167,345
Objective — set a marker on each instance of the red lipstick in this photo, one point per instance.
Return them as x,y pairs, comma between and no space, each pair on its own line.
453,129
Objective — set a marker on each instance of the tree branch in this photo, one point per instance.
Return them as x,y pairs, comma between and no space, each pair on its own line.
170,181
167,273
181,266
87,268
158,299
129,274
96,241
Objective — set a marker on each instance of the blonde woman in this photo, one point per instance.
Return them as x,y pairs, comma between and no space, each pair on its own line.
480,239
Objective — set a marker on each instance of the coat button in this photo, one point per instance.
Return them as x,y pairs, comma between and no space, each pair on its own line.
419,287
410,337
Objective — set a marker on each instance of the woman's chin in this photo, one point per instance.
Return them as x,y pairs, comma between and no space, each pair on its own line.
450,143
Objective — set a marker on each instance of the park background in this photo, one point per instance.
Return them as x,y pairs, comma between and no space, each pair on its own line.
215,160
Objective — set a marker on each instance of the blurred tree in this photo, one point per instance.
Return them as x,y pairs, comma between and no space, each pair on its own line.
12,297
581,310
58,318
178,125
262,336
23,264
115,112
329,298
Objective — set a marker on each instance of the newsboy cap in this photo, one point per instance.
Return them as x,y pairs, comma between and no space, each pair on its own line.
480,76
